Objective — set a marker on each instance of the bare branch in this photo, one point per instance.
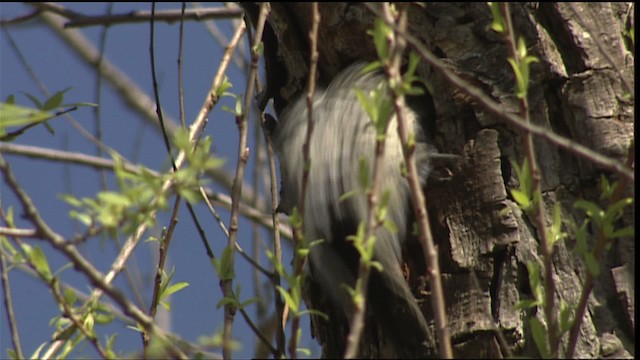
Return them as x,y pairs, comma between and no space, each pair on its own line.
169,16
28,233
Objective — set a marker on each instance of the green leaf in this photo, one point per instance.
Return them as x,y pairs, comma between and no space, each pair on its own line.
366,104
103,318
38,259
294,218
565,318
526,304
69,296
521,199
249,302
555,233
348,195
521,48
11,354
258,48
80,104
592,264
497,24
109,345
224,86
238,111
625,232
36,353
223,266
316,313
377,265
390,225
592,209
111,198
55,100
166,305
519,78
539,332
226,301
606,187
615,211
34,100
70,199
535,282
380,38
174,288
15,115
288,299
523,174
374,65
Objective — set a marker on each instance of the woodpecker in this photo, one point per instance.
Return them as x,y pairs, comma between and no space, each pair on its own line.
343,134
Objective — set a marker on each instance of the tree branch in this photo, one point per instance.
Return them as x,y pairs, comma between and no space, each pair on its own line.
169,16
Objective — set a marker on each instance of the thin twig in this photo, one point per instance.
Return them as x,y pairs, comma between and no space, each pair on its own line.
97,111
224,229
165,241
183,121
57,9
277,229
597,253
356,324
259,333
15,232
256,237
169,16
419,203
300,259
163,250
240,56
156,93
78,323
236,190
8,307
19,19
540,212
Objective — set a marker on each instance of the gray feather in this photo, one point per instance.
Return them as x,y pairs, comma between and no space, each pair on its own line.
342,135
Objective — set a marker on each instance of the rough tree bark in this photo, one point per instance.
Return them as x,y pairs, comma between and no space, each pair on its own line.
578,90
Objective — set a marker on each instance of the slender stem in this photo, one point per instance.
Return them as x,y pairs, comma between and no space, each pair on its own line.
539,213
419,203
236,190
597,253
356,325
8,306
306,149
183,121
78,323
81,20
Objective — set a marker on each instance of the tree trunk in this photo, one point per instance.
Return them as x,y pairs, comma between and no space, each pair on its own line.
578,89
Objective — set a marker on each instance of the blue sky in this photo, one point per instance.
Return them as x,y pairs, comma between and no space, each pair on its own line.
194,308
